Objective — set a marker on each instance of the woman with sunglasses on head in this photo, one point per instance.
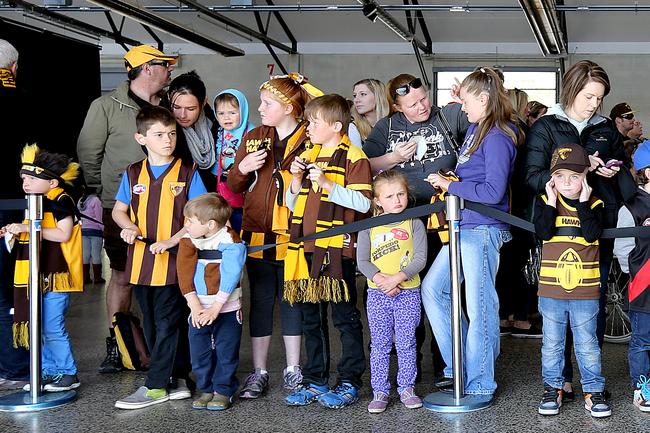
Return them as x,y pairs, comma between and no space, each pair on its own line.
412,140
485,164
370,104
575,119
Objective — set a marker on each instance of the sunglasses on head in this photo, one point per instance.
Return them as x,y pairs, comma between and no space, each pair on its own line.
406,88
627,116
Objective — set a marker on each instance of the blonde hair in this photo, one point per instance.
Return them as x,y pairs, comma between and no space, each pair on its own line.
287,91
519,101
209,206
382,109
388,176
498,112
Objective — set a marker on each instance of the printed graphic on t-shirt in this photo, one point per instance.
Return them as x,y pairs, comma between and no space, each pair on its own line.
435,141
387,242
463,156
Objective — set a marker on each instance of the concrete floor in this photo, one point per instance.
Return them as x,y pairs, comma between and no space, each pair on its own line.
514,410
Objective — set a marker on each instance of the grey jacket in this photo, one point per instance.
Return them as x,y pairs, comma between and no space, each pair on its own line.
106,144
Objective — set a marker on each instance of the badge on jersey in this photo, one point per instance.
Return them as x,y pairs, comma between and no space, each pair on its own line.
139,189
176,188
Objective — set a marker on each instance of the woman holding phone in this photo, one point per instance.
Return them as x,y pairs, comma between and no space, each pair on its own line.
576,119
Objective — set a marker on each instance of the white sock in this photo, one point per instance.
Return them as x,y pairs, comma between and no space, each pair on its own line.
292,368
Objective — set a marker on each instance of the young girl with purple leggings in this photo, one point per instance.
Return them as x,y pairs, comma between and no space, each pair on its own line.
391,256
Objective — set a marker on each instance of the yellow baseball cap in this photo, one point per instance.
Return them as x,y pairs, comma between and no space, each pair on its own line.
142,54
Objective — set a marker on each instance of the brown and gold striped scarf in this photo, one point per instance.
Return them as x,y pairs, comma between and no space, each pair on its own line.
323,281
60,270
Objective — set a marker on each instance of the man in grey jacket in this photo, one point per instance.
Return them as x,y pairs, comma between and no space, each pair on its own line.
106,146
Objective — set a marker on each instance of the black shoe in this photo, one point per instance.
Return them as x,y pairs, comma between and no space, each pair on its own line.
505,330
535,331
112,363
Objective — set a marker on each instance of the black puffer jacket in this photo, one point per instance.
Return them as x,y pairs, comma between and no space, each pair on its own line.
600,135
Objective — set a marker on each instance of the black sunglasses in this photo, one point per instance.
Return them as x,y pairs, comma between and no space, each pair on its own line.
163,63
627,116
406,88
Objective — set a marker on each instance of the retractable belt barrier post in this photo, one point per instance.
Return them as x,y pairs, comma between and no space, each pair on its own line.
34,399
442,401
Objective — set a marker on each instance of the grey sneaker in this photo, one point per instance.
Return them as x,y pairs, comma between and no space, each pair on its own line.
62,382
143,397
178,390
292,379
8,384
202,401
256,384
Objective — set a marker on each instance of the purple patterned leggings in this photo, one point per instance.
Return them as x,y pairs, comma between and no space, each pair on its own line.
399,315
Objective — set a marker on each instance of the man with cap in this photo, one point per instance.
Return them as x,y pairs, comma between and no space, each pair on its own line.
623,117
106,146
15,133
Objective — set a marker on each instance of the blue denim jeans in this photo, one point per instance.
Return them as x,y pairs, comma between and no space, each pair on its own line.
582,316
639,353
56,354
479,250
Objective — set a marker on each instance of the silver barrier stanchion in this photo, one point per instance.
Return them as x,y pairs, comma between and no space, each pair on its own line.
456,401
34,399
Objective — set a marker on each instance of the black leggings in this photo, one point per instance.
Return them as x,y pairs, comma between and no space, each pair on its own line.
266,278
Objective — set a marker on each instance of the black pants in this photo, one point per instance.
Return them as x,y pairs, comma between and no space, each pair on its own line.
164,316
515,295
347,320
266,279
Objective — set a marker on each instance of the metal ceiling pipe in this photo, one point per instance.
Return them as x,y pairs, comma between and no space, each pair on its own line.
234,24
170,27
64,21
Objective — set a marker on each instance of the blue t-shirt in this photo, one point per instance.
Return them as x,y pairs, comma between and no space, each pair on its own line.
124,191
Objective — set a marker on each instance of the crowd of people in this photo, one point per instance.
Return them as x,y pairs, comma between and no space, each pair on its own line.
183,188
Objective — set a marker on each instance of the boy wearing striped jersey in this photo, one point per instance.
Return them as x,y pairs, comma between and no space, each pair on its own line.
568,220
149,209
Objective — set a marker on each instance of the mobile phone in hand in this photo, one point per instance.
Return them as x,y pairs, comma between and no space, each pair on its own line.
613,163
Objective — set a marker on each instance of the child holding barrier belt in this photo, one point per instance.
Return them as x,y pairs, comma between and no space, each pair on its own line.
391,256
485,164
61,270
569,279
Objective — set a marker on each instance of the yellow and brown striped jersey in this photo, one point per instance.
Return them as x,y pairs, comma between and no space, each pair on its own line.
157,209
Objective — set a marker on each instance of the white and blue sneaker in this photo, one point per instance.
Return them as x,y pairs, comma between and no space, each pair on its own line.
343,395
306,394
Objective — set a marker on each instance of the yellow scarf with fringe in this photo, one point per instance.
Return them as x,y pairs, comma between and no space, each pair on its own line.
323,280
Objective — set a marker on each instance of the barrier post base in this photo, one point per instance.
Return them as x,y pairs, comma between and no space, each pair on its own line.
22,402
445,402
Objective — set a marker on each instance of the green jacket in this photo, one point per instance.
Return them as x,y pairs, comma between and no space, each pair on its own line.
106,144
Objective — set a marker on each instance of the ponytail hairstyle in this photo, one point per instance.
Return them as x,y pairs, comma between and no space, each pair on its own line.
498,112
382,109
519,101
387,176
292,89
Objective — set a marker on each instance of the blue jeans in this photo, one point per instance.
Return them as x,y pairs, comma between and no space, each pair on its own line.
214,350
639,354
479,249
56,354
582,316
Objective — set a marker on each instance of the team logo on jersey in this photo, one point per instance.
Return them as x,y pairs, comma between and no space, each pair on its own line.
176,188
139,189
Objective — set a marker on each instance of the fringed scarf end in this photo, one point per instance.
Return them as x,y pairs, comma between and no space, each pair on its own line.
21,335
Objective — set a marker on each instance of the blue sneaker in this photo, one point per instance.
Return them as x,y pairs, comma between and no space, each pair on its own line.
306,394
343,395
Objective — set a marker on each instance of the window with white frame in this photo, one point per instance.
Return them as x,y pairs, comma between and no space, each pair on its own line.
540,85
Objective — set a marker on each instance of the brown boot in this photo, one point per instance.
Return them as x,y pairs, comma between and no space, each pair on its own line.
97,274
86,274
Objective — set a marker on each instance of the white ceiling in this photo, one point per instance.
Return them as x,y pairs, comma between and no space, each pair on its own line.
351,32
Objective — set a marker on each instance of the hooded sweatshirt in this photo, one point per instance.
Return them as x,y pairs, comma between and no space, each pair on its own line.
227,143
